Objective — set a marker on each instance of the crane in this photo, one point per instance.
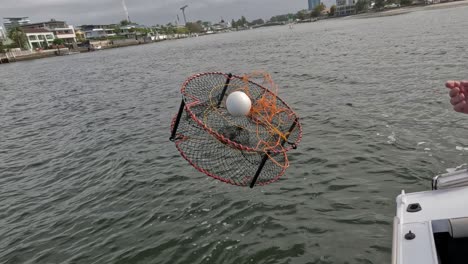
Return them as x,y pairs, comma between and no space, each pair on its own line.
126,11
183,12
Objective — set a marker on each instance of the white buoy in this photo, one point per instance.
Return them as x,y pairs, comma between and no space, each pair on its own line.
238,104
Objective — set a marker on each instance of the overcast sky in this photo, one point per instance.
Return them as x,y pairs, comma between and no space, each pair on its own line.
147,12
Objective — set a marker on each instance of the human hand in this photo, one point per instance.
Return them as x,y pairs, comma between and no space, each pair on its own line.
458,95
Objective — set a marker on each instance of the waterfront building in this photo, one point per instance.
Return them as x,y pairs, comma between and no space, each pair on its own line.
313,4
131,31
91,27
12,22
39,37
67,34
95,33
60,29
98,31
345,7
47,25
128,31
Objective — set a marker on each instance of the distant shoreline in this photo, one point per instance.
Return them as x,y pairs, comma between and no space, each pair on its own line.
410,9
372,14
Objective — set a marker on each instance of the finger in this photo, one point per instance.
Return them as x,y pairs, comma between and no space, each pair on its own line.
457,99
452,84
461,107
454,92
464,85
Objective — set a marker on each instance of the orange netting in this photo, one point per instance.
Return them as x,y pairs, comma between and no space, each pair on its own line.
235,149
269,116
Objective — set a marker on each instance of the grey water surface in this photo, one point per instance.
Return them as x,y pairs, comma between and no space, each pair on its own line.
88,175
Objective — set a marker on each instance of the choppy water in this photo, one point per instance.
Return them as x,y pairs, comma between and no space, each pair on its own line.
87,174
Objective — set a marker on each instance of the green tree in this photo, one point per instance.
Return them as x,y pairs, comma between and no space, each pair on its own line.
124,22
2,48
18,37
234,24
182,30
362,6
243,21
116,28
332,10
281,18
318,10
194,27
170,30
379,4
58,41
406,2
301,15
142,31
258,22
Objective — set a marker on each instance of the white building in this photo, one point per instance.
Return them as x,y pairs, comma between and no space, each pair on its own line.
127,29
60,29
38,37
99,33
67,34
345,7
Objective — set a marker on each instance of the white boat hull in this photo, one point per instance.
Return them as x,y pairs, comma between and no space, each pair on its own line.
430,226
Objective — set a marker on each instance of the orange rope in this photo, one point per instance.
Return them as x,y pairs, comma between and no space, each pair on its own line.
264,112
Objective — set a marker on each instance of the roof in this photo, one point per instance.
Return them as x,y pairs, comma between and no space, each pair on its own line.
14,17
35,30
60,28
47,22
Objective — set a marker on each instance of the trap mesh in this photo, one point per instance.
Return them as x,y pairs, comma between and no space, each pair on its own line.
268,125
231,148
221,161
